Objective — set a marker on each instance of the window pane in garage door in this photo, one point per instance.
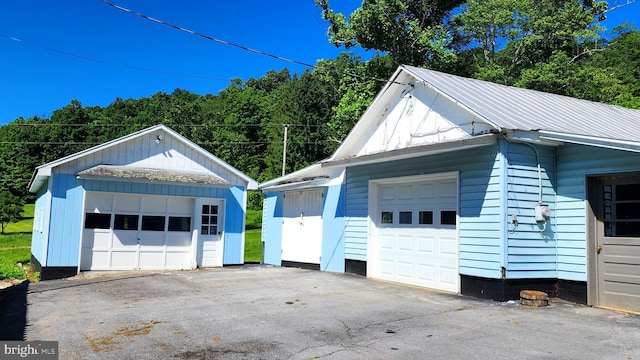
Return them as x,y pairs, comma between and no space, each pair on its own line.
125,222
153,223
179,223
97,221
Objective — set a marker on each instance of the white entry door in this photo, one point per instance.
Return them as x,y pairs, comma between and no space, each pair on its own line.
414,236
302,226
211,234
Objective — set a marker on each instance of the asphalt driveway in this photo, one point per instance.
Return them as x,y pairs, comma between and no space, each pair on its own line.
261,312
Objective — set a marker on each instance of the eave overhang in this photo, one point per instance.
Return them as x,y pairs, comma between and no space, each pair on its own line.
152,175
416,151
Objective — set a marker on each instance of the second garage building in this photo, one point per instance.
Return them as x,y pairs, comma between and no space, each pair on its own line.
150,200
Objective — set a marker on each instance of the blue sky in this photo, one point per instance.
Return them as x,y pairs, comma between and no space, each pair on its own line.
37,78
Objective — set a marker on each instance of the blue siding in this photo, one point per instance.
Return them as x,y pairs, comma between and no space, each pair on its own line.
531,246
333,230
272,228
575,162
481,238
37,236
234,226
66,220
66,213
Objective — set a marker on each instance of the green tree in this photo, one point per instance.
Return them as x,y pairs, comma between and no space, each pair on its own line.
516,36
411,32
11,208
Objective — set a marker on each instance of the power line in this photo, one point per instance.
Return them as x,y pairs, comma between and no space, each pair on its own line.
217,125
210,38
66,53
242,47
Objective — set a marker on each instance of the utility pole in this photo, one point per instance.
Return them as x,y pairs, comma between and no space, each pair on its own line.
284,149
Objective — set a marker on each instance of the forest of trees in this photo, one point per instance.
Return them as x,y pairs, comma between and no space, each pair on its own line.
548,45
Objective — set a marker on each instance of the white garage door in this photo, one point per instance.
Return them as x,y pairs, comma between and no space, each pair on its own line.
126,232
414,238
302,226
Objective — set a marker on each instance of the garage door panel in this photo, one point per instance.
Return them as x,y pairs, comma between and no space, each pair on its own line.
422,248
154,205
425,191
178,239
129,204
98,203
448,246
405,269
426,245
405,243
405,192
425,272
99,259
152,259
125,244
123,259
449,275
176,260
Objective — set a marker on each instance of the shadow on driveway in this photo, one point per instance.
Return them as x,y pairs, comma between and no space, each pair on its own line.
13,311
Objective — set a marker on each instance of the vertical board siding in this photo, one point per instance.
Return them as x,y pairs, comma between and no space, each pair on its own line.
575,162
531,246
333,230
39,222
66,219
272,227
480,241
235,213
143,151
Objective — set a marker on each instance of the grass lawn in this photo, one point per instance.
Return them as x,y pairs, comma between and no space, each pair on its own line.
15,247
253,237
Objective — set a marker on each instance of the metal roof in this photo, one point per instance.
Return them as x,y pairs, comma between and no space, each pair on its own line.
513,108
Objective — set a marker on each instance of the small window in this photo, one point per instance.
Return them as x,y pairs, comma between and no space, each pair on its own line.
387,217
204,230
153,223
205,209
448,217
97,221
425,217
205,219
213,230
179,223
405,217
214,209
125,222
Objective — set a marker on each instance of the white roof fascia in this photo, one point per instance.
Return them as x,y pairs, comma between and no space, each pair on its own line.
360,125
624,145
311,183
251,184
417,151
44,171
291,177
531,137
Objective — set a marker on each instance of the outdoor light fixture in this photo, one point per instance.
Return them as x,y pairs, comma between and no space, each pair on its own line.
158,138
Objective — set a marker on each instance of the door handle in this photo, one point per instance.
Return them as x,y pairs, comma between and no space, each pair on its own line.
598,249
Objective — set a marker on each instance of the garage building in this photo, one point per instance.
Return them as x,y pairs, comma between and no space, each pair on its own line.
150,200
471,187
